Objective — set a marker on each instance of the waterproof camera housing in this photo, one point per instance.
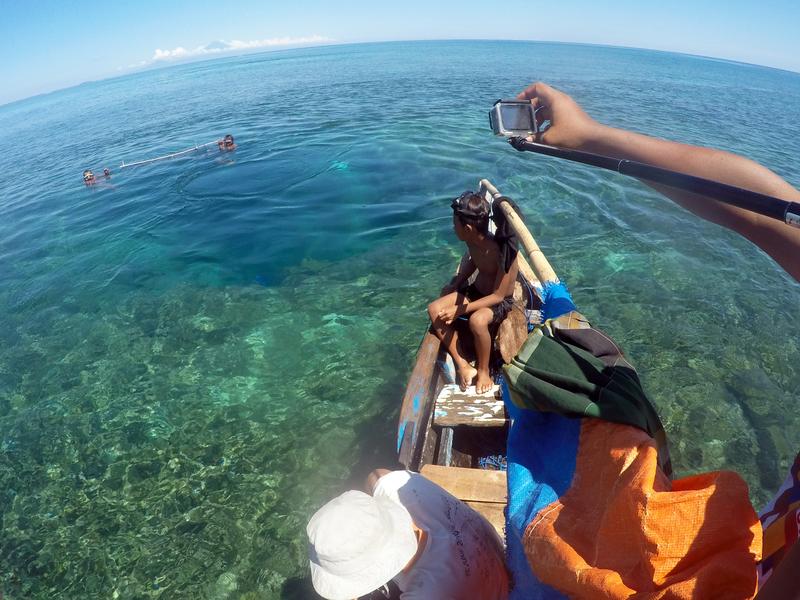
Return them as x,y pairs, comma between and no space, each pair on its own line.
512,118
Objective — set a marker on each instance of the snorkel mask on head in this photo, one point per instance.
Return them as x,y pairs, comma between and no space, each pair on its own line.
474,214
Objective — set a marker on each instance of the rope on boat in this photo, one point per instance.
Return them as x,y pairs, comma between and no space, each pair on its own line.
166,156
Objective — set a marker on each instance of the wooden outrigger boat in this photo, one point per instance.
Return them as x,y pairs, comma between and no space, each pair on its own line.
590,432
449,435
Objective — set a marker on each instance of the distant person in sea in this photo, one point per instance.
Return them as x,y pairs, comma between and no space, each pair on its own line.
570,127
106,173
89,178
485,302
411,538
226,143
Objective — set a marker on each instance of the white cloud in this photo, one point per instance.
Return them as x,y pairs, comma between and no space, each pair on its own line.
222,46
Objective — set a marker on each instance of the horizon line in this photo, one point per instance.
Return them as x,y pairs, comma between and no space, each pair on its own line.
157,67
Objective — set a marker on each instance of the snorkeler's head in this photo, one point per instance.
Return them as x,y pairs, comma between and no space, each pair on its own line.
228,139
88,175
470,209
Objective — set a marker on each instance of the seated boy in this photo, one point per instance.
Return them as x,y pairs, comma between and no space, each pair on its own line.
487,301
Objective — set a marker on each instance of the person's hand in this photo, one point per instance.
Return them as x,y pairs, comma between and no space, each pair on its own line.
570,126
449,314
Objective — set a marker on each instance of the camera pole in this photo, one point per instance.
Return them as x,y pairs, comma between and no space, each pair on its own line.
783,210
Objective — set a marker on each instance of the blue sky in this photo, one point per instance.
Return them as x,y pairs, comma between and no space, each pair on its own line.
47,45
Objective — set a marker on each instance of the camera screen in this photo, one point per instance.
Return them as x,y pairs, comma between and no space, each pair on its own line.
517,117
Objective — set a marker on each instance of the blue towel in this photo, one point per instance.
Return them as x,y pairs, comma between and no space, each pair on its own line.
556,300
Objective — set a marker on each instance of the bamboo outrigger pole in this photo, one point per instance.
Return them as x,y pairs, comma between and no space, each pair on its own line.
541,267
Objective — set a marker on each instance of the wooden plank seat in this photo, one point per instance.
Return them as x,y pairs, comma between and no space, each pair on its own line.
455,407
483,490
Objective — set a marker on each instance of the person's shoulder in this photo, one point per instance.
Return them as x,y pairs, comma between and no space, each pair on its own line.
393,481
408,488
405,484
492,248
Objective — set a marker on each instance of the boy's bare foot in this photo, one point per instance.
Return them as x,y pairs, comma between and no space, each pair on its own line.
466,375
483,382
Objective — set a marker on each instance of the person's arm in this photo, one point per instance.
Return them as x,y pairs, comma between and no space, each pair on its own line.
464,273
503,288
572,128
372,479
784,583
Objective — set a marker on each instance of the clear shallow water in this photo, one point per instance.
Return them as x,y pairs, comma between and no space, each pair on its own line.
196,357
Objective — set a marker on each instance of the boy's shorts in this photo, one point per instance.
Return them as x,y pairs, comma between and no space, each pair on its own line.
499,310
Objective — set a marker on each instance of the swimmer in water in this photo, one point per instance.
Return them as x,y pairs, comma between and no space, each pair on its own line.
226,143
88,178
106,173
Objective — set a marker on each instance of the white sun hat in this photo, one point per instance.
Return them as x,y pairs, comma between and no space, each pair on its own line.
358,543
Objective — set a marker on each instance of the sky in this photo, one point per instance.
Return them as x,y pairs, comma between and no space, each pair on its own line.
47,45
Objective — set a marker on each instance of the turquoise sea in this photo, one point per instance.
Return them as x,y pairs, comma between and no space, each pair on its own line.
198,353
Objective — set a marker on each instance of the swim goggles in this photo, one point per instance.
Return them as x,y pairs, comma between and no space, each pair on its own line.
461,207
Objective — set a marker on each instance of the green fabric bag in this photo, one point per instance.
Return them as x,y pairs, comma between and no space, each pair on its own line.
582,373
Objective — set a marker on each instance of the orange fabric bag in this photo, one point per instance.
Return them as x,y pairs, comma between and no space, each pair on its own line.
624,530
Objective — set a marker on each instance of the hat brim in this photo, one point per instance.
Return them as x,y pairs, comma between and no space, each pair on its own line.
384,563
